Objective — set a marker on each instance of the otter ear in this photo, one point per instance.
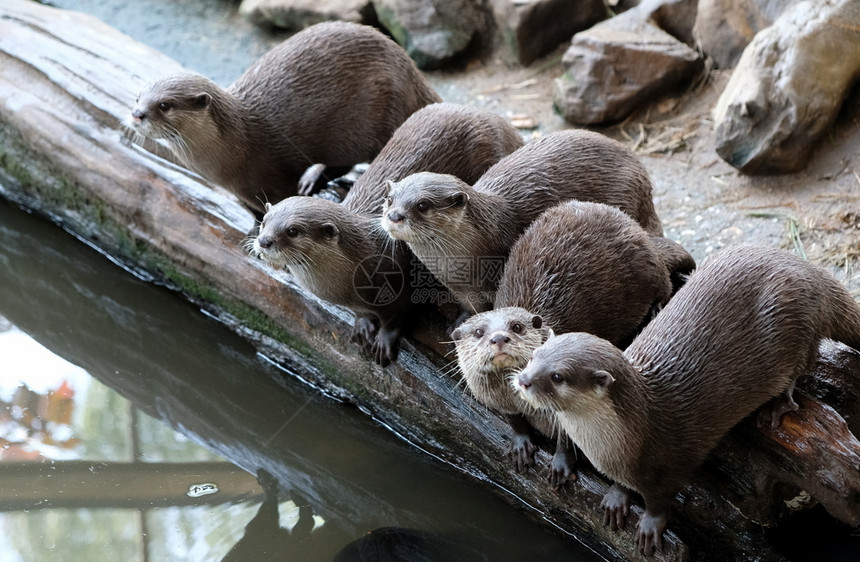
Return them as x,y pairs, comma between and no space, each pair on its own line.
202,100
458,199
537,321
390,185
550,334
330,230
602,381
267,206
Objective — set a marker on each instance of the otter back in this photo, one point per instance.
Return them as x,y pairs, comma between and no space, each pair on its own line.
333,94
586,267
445,138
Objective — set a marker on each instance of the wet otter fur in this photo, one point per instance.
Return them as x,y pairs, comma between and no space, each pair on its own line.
333,93
745,326
446,137
580,267
446,222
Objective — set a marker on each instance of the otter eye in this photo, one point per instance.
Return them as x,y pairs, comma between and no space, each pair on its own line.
556,378
292,232
422,206
387,200
164,106
479,333
517,328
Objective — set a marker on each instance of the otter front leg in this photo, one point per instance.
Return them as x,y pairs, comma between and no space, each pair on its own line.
563,467
522,448
616,506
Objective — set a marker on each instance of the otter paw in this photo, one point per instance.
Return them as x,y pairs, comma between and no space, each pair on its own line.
616,507
364,333
562,467
782,404
309,178
384,349
649,535
522,453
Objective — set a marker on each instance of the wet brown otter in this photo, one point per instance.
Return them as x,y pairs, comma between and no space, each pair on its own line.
463,233
584,267
331,243
333,93
738,334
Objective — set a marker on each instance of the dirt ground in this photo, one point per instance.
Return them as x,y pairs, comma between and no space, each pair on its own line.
705,204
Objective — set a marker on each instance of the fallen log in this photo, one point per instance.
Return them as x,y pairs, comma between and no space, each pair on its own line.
66,83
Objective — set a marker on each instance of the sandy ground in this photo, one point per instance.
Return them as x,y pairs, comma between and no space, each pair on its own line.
705,204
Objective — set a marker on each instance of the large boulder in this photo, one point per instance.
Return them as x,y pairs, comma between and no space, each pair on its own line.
618,65
433,32
532,28
788,87
725,27
298,14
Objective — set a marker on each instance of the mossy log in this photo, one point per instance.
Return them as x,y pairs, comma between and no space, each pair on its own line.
67,81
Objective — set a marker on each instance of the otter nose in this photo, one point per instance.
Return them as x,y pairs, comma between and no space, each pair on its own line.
265,241
499,339
395,216
138,114
524,380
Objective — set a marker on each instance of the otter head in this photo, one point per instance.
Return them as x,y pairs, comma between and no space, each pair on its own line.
300,233
424,206
493,344
177,109
570,373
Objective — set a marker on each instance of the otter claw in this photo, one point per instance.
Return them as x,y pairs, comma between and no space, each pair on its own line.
562,468
522,453
649,535
310,178
384,348
616,507
364,333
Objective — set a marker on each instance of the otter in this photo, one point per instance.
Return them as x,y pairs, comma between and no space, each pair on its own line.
463,233
328,246
739,333
580,267
333,93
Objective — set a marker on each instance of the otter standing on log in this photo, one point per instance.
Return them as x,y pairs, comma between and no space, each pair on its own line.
333,93
339,253
740,332
580,267
463,233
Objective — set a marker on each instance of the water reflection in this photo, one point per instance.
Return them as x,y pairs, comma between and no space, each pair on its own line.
152,379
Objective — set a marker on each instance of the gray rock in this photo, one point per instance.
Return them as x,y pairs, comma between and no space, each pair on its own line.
532,28
675,17
433,31
298,14
619,65
725,27
788,87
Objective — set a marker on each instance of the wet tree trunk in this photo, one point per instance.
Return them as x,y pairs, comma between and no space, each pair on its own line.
66,83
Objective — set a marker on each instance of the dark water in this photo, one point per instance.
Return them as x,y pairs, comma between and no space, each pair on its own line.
121,397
